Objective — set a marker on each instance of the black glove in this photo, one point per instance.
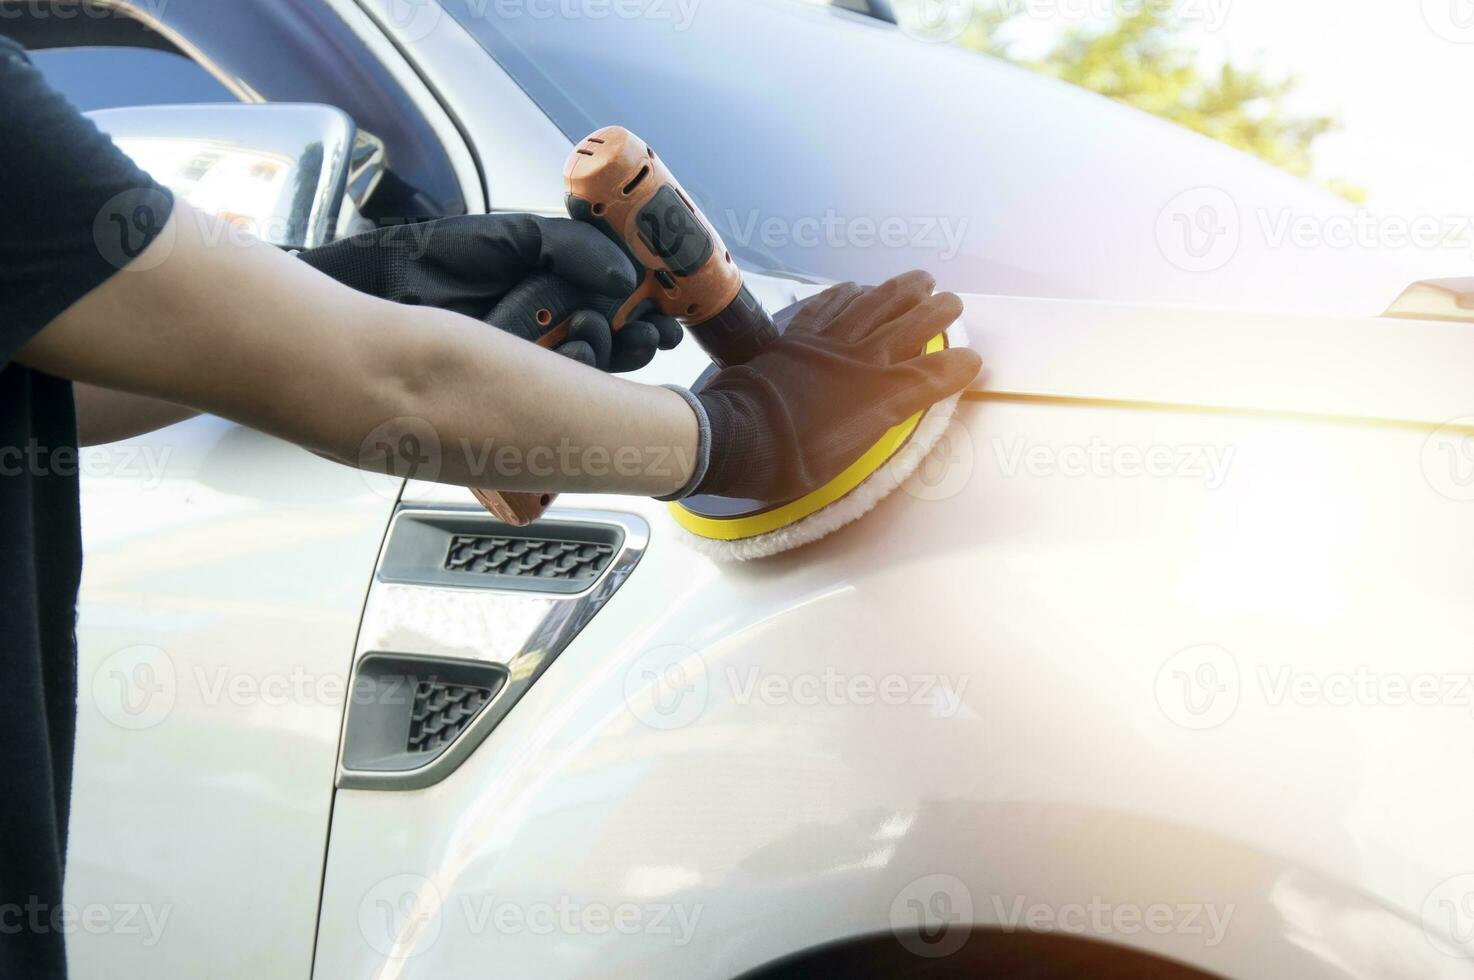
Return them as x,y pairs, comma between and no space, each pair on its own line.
849,367
503,268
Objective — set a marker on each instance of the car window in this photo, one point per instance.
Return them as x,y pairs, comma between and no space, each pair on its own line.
113,77
833,146
776,118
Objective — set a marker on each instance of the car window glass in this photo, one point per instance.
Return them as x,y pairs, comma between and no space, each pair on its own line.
113,77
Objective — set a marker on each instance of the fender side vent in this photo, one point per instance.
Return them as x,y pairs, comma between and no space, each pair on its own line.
538,558
406,711
441,712
472,550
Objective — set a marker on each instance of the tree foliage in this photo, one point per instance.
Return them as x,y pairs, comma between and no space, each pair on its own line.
1144,59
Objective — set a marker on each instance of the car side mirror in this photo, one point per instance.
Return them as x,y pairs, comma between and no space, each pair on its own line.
281,171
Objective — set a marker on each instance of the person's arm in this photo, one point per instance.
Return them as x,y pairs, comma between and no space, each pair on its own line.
90,290
251,334
104,415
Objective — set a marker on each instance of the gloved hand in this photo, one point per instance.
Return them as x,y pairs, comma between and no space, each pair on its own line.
849,367
502,268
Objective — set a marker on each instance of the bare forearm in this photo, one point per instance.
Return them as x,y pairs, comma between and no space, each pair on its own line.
505,414
105,415
253,335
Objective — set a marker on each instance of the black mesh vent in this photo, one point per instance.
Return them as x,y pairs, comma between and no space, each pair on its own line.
441,712
540,558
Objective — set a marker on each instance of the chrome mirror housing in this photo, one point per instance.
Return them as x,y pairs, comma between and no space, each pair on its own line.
279,171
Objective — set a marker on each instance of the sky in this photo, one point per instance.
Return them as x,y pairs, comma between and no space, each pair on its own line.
1398,73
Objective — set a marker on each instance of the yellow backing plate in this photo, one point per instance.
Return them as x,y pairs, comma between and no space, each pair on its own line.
751,525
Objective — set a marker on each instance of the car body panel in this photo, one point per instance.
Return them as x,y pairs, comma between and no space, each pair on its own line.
1317,530
1063,611
221,596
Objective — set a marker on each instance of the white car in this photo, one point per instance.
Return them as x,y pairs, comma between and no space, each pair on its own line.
1159,666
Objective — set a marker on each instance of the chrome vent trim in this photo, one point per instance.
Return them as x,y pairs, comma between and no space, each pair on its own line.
449,623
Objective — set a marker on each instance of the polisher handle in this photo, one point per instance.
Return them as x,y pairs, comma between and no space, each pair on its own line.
616,183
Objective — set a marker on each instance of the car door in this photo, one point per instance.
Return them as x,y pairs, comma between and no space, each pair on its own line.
225,570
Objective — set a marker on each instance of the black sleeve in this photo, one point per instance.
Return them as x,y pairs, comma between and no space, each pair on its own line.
73,208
